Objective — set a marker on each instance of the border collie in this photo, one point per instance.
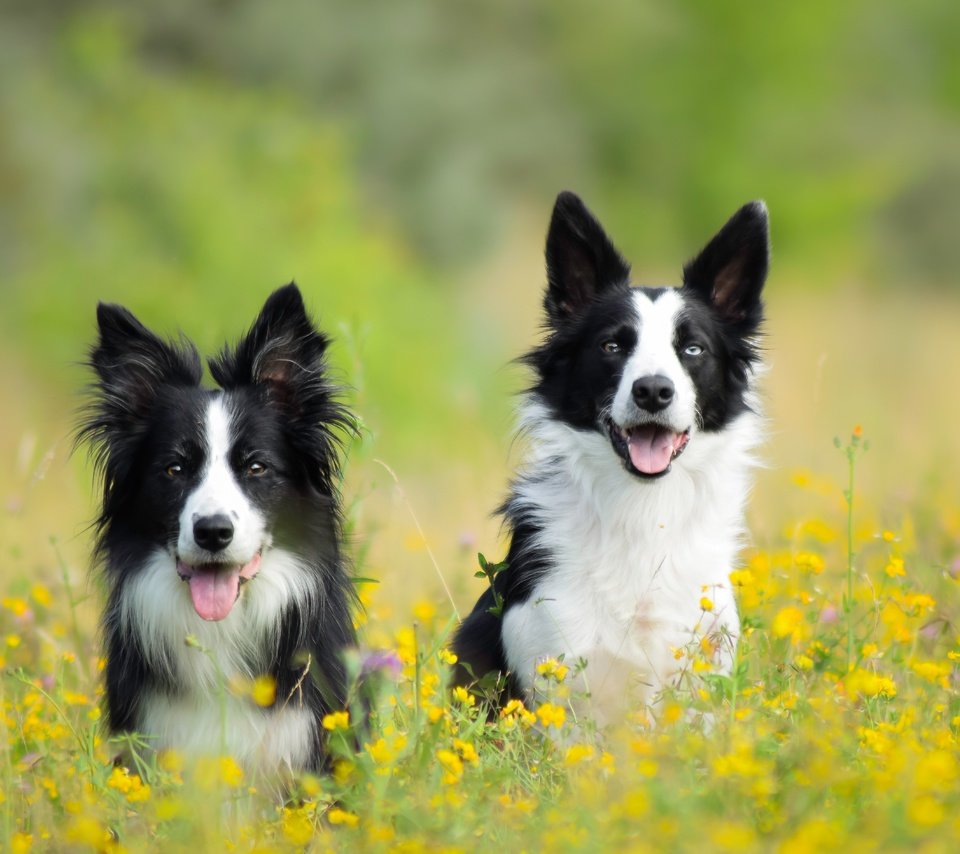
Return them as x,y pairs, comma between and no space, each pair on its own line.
220,523
642,419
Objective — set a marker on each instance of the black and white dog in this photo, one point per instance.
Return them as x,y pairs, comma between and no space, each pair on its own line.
221,522
641,422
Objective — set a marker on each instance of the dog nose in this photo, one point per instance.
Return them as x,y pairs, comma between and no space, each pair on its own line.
653,393
213,532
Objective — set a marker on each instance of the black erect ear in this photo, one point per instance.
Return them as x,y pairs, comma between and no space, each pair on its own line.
730,271
283,351
132,365
581,260
284,354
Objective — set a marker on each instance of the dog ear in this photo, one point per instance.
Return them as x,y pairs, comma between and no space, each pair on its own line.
730,270
282,350
284,354
581,260
132,364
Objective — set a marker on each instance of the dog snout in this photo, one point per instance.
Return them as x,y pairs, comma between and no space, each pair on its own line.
213,533
653,393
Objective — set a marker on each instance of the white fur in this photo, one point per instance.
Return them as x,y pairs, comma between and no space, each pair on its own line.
655,354
219,493
157,613
224,724
630,558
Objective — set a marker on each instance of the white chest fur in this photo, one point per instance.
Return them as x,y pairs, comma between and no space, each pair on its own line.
630,561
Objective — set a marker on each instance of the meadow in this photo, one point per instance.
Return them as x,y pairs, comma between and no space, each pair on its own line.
838,727
186,164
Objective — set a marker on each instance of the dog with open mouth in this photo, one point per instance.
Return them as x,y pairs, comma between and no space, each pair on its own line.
641,426
219,536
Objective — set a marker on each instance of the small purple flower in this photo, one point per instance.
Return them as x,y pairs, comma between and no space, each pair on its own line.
384,661
829,615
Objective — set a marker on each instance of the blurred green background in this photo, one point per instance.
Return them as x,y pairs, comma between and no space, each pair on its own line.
400,160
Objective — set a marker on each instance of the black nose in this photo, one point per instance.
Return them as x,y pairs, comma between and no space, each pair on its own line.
653,393
213,532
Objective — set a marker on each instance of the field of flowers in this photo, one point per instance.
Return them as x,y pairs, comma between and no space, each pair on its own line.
838,727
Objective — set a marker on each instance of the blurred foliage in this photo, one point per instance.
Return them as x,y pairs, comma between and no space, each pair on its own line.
845,117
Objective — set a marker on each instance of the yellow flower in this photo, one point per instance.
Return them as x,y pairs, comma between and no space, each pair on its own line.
787,622
447,657
515,712
231,774
870,684
41,595
894,568
925,811
463,696
336,720
16,605
932,671
578,753
13,641
551,715
742,578
339,816
809,562
467,751
550,668
452,766
87,831
264,690
297,827
706,604
20,843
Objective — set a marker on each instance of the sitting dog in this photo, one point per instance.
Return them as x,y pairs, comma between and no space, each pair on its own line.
219,537
628,514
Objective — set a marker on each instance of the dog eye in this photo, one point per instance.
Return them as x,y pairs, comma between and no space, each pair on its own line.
174,470
610,347
255,469
693,350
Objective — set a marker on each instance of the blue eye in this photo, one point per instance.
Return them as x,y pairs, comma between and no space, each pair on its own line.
693,350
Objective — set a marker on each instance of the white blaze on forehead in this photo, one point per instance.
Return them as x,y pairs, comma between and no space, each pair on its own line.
655,353
219,493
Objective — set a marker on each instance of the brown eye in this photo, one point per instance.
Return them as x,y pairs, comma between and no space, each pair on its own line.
255,469
174,470
610,347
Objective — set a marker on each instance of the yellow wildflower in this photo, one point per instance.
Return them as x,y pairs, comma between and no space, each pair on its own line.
463,696
553,669
551,715
336,720
452,765
339,816
264,690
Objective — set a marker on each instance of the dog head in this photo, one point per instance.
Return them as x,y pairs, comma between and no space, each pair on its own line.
649,367
213,479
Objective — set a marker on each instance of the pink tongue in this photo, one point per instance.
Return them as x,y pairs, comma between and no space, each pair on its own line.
214,591
651,449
